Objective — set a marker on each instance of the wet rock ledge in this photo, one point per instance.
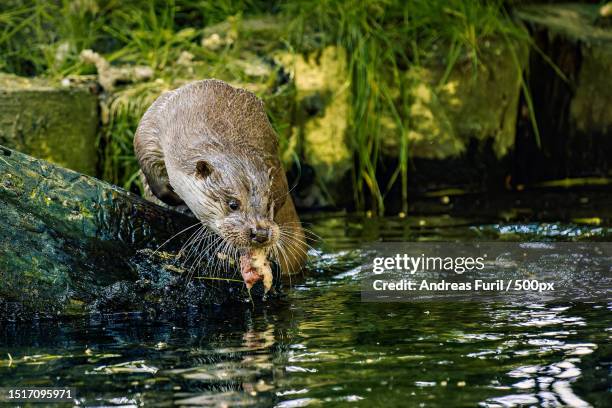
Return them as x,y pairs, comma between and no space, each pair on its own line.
71,244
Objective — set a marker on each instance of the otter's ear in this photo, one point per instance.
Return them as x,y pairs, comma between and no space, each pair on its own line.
203,169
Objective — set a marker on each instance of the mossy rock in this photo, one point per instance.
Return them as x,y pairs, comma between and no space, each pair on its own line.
50,121
319,132
473,102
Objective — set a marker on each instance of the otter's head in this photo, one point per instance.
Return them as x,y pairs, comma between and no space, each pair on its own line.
232,194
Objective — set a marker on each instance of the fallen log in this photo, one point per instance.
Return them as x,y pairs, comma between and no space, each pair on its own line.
72,244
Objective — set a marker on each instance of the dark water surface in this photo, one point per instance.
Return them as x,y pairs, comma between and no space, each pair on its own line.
322,346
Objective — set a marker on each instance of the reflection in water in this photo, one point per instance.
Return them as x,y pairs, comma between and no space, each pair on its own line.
548,384
321,345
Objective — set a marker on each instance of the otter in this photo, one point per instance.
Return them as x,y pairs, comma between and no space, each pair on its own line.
211,147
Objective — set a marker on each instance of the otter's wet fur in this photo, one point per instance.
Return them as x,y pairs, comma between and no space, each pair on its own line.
211,146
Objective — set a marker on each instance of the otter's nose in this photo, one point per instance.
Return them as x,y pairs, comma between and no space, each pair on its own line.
260,235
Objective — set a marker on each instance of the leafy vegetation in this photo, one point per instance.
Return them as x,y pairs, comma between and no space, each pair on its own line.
382,38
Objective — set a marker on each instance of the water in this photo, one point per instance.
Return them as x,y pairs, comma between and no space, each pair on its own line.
322,345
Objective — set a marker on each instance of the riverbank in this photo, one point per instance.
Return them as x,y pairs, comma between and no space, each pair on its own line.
460,99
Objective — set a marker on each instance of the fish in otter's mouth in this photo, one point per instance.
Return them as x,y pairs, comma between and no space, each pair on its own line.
254,266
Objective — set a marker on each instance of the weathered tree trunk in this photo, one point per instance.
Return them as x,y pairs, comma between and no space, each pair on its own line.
70,244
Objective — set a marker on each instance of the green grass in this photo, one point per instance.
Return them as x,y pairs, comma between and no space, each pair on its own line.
147,32
382,38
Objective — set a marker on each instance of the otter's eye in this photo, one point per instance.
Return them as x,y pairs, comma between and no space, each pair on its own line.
233,204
